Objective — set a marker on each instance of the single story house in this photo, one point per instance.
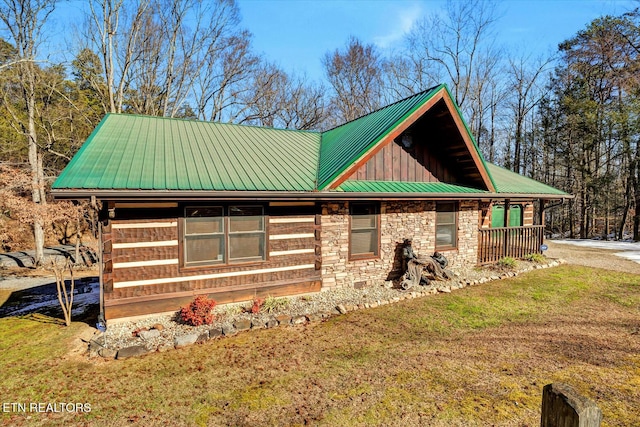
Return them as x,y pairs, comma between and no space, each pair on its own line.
235,212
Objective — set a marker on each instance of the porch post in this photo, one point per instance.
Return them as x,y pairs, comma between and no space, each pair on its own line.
506,252
541,221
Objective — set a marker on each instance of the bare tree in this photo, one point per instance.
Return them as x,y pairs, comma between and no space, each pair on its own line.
227,65
449,46
277,99
526,91
305,108
23,21
356,76
456,47
115,31
65,294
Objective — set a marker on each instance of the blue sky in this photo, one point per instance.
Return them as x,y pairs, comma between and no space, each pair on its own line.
295,34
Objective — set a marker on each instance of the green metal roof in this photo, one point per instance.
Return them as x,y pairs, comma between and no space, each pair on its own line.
151,153
405,187
345,144
507,181
130,153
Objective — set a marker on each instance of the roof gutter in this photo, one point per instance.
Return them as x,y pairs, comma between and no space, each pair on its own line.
163,195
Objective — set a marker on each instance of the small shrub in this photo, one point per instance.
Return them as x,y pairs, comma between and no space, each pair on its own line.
272,304
506,263
537,258
198,312
232,310
257,305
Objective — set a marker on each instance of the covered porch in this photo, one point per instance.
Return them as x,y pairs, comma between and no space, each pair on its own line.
510,228
515,242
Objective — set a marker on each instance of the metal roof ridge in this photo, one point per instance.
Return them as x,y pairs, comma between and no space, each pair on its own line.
181,119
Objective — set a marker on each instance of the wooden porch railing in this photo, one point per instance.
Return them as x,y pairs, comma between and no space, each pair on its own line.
514,242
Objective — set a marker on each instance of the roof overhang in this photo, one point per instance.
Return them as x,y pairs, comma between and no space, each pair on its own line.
164,195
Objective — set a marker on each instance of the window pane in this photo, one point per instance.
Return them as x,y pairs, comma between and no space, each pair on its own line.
364,242
445,235
246,223
363,221
246,218
204,248
249,245
446,217
364,229
203,220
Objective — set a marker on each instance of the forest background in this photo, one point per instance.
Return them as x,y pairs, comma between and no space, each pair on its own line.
570,119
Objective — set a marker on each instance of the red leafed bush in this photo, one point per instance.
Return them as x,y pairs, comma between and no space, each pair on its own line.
257,305
198,312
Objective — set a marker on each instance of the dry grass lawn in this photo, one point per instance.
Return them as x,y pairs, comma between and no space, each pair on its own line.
479,356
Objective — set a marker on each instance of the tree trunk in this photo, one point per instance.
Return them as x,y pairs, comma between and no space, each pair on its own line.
35,163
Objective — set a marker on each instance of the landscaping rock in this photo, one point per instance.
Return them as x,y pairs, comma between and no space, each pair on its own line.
185,340
87,334
228,330
203,337
283,319
150,334
95,346
321,306
298,320
107,353
133,351
215,333
242,324
271,323
314,317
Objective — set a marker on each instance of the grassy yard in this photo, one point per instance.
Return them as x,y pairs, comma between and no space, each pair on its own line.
479,356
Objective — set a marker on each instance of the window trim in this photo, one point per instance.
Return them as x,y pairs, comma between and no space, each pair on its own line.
226,261
455,224
368,255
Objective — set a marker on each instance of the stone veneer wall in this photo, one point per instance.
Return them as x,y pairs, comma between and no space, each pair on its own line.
398,220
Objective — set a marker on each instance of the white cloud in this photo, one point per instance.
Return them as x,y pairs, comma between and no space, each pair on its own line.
400,25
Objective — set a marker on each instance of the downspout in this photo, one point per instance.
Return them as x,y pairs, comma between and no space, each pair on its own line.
101,325
100,268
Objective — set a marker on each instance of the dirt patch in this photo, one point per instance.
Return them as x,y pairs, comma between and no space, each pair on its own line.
591,257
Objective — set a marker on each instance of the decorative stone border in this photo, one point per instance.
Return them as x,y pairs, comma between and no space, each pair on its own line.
241,325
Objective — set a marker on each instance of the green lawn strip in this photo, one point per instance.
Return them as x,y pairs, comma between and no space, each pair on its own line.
433,361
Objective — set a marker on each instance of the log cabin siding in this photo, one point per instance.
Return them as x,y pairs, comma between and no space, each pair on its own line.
143,263
528,214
